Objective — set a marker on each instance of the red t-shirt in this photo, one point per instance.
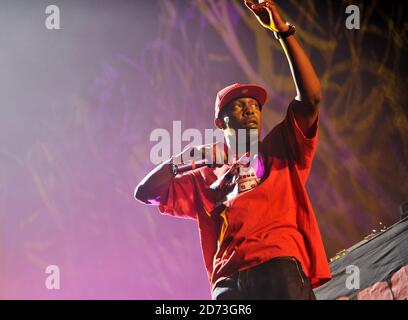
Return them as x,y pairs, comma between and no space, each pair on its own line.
274,219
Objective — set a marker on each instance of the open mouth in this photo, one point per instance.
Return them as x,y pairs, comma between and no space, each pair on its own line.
251,126
251,123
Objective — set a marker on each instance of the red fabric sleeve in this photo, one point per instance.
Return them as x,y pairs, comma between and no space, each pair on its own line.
301,148
181,200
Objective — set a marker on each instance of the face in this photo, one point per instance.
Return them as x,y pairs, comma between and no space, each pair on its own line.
242,113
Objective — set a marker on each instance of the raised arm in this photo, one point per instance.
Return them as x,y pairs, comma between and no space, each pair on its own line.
308,88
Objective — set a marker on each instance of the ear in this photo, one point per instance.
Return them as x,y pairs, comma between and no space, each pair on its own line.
220,124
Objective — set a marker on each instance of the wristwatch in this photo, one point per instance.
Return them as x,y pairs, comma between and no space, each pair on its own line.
283,35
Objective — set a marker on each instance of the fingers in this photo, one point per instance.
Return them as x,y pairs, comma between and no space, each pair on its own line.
257,8
261,5
249,4
219,155
213,153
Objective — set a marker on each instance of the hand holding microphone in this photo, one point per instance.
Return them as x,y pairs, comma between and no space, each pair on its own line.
210,155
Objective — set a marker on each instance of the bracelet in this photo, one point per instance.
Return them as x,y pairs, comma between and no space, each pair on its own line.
283,35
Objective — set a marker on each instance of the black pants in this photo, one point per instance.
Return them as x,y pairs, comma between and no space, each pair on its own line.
277,279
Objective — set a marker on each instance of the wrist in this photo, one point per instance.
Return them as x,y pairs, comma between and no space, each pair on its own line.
282,27
289,30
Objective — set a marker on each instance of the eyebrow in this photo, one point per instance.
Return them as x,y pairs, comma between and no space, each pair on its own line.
253,101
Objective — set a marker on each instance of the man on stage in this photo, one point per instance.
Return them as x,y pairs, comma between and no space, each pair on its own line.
259,235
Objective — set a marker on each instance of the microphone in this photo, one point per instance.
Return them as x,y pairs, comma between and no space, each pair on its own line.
177,169
226,120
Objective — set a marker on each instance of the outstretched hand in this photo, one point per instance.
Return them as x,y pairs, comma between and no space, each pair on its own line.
268,15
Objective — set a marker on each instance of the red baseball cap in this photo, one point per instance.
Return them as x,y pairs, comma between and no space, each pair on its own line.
238,90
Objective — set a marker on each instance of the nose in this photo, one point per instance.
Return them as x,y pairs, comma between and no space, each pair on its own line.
249,111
